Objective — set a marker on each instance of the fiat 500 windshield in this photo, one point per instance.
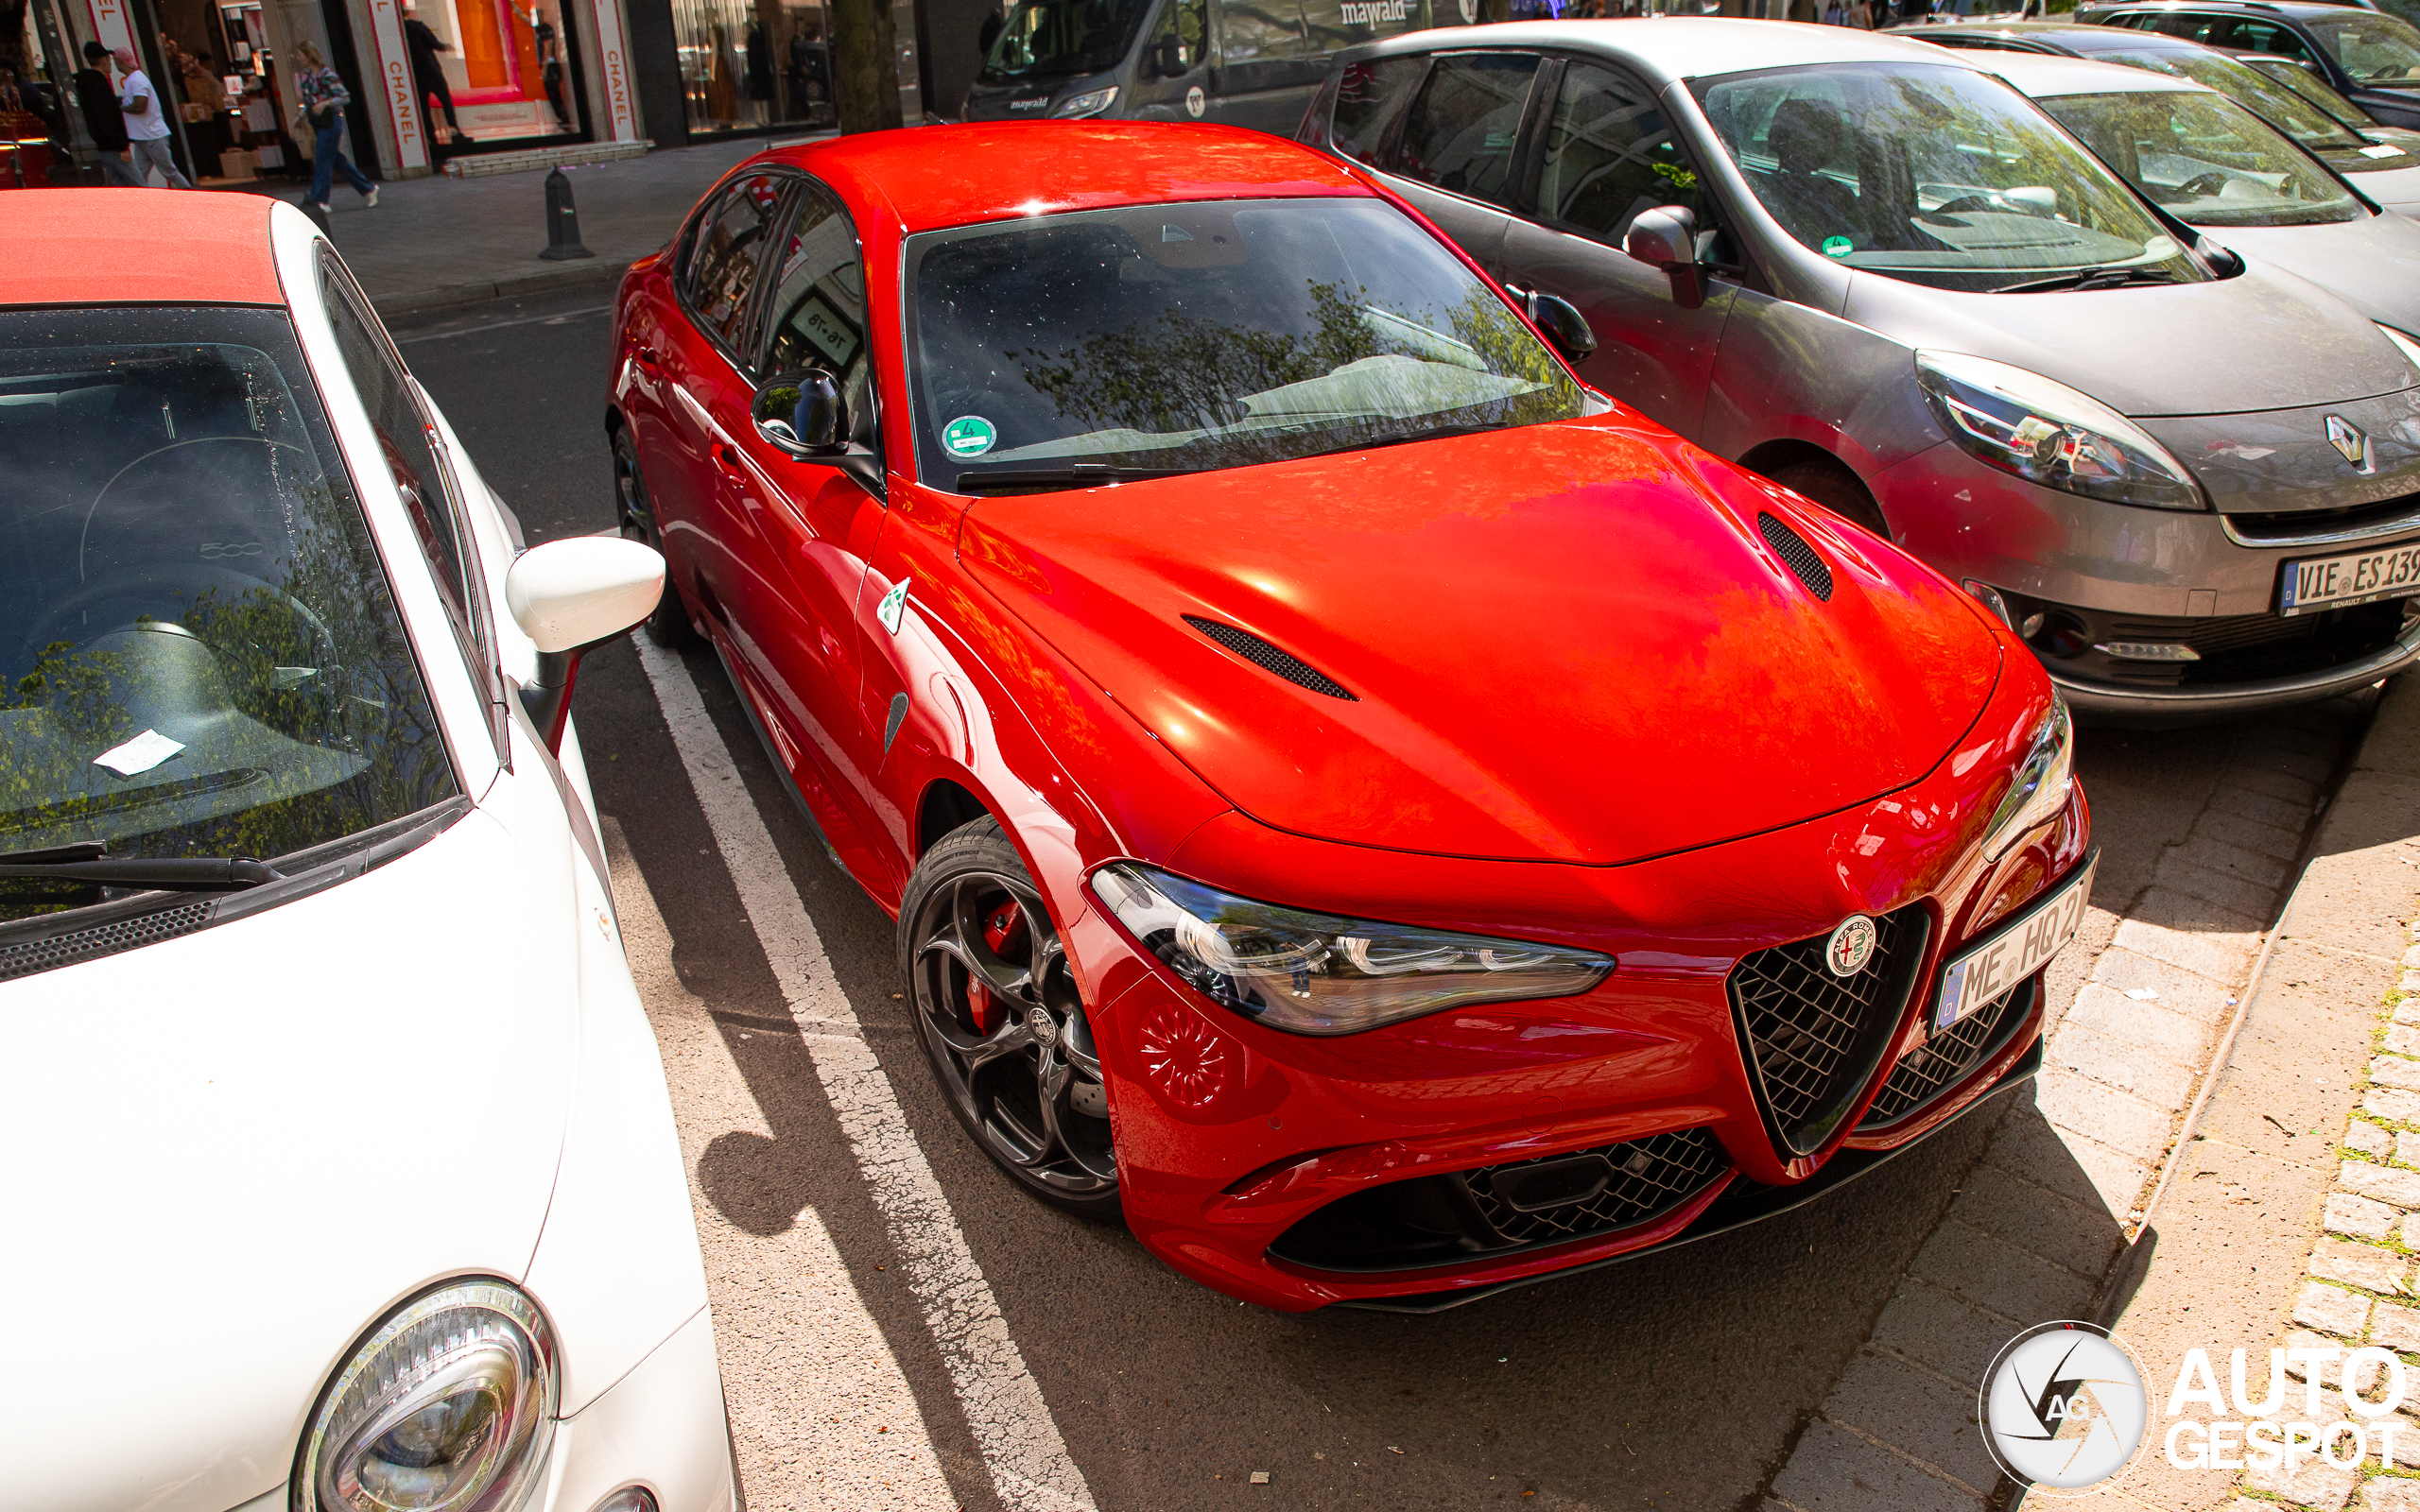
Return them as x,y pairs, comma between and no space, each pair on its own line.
199,652
1180,338
1937,174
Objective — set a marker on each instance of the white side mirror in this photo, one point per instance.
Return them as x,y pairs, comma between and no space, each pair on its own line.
569,594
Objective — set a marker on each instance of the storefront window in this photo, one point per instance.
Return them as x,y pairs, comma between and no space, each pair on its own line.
507,66
748,66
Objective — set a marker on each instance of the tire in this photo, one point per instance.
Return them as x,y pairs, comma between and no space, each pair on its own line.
997,1013
1834,488
668,625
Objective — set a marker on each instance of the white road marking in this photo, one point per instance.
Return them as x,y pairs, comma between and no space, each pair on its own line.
1013,1426
498,325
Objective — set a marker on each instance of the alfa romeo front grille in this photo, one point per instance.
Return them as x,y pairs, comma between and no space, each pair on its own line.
1944,1060
1812,1039
1498,1210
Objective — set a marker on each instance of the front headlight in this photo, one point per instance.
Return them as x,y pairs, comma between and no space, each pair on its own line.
2047,433
2039,789
2409,348
448,1407
1091,102
1323,974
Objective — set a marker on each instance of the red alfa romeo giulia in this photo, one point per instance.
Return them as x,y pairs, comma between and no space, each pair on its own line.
1380,815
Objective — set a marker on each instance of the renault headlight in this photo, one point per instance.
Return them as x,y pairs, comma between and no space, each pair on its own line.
1321,973
2047,433
1091,102
2409,348
449,1406
2039,788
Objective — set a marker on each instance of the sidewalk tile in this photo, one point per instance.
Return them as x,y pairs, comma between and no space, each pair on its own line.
1890,1401
2179,990
2361,1217
2000,1276
2395,1325
2268,839
2370,1140
2364,1265
2332,1309
2391,1493
2394,1070
2079,1236
2392,1104
2403,1039
2248,896
2222,955
1833,1471
2105,1116
2233,860
2384,1182
2271,782
1940,1331
2124,1063
2027,1146
2244,804
2310,1483
2407,1147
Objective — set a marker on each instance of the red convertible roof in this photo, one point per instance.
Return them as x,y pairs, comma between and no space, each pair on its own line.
136,247
938,176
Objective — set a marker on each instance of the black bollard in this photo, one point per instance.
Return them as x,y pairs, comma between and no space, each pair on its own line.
318,216
562,221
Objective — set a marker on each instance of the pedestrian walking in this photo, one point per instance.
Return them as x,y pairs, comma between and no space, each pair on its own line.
428,75
98,97
322,97
147,124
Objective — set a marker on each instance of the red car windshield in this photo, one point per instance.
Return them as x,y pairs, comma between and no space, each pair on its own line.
1186,337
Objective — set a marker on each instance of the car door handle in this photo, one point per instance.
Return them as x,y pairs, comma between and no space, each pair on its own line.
645,357
727,458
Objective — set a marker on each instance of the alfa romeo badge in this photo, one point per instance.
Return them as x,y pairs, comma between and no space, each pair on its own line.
1850,946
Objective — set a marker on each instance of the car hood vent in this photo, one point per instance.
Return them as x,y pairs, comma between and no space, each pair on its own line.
1796,555
1270,659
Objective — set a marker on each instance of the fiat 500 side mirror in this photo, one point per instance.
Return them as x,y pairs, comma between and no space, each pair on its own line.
1665,239
570,596
1565,327
802,413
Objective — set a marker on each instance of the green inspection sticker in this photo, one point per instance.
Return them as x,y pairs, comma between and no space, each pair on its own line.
1837,246
968,436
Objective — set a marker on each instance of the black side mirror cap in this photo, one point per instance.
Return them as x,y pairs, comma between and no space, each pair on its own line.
802,413
1167,58
1565,327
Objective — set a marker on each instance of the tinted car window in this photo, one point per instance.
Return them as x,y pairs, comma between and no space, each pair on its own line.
1061,39
1609,154
1463,126
2383,51
2205,159
1934,173
1260,31
1187,23
724,255
819,301
183,557
2256,36
1368,97
1183,338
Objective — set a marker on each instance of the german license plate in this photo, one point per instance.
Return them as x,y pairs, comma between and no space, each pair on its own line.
2356,577
2017,951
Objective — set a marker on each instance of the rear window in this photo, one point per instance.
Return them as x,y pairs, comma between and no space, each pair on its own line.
199,653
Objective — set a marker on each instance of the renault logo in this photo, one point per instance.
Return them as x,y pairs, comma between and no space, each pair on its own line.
2347,437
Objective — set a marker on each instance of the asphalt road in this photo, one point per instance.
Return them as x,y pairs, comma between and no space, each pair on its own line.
1676,1380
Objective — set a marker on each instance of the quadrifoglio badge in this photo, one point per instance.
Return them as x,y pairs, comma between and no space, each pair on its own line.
2064,1408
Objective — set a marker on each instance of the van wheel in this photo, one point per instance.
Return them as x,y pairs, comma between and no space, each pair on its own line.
1837,489
634,514
998,1011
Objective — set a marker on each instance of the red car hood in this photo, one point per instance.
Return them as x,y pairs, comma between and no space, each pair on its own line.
1564,643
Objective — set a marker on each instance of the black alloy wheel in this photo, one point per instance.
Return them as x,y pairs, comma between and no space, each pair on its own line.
634,515
997,1010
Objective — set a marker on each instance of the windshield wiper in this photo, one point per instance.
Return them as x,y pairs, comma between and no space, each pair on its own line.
1081,475
90,861
2092,278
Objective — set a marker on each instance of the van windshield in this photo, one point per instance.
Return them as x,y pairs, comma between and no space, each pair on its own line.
2205,159
1062,39
200,654
1933,174
1186,337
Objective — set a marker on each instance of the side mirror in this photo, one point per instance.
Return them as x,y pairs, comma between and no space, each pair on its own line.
1167,58
1665,239
1566,328
570,596
802,413
2224,261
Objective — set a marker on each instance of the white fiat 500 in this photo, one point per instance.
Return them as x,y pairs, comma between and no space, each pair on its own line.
339,1171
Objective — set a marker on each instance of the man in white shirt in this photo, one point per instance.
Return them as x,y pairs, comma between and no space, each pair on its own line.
147,122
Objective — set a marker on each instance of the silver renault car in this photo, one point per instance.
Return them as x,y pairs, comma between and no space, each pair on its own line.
2192,481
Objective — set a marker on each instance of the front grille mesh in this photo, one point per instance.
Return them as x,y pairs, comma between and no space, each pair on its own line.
1945,1059
1651,1176
1270,659
124,935
1812,1039
1797,555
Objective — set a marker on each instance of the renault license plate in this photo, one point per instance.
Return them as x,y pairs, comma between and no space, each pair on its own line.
2356,577
2017,951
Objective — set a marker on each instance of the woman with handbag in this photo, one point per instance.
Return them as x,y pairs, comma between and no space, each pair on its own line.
322,97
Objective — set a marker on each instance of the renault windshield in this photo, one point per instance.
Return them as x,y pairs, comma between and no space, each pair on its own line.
1184,337
200,654
1937,175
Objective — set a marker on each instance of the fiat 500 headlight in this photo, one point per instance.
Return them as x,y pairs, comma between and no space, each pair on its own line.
2047,433
1321,973
2039,789
449,1406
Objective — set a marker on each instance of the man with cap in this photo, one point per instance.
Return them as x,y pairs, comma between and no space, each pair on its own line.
99,98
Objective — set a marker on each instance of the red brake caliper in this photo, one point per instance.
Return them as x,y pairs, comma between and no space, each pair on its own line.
999,927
